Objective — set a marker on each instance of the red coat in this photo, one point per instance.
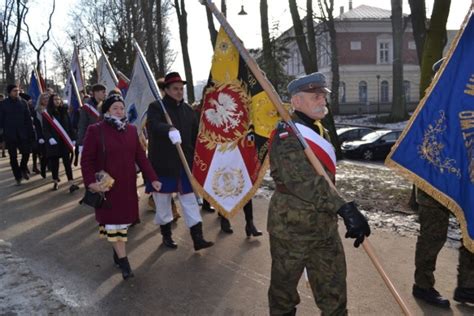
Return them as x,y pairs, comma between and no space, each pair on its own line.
122,150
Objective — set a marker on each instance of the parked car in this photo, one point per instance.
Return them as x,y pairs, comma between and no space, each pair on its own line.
375,145
352,133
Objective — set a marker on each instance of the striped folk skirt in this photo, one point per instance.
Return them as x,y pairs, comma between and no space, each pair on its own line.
114,233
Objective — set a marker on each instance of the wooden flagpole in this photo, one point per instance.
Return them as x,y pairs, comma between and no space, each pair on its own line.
156,93
76,89
275,98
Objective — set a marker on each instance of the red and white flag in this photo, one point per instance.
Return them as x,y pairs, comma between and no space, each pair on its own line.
54,123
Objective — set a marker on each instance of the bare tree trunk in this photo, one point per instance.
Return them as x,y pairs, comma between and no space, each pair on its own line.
12,15
435,41
398,112
309,67
147,14
40,47
266,43
160,40
310,31
418,22
183,35
327,9
211,27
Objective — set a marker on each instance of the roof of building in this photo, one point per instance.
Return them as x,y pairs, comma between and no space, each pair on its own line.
365,12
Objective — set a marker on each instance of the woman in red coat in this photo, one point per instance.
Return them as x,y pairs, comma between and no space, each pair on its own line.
122,151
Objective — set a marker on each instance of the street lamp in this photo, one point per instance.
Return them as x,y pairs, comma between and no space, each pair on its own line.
242,10
378,97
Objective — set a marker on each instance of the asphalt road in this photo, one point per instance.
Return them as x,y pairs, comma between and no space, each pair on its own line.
59,240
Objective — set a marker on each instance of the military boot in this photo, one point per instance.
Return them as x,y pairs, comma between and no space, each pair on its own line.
464,295
167,240
198,239
430,296
292,313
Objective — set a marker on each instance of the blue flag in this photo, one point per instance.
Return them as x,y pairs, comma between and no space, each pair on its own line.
436,149
34,89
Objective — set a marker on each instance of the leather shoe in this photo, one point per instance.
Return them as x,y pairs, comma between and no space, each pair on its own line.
464,295
430,296
225,226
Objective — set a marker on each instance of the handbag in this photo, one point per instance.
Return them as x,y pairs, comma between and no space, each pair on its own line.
93,199
97,199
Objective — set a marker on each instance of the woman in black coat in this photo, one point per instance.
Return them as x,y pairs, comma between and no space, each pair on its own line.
41,105
56,147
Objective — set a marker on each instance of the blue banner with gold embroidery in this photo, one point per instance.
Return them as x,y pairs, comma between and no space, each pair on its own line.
436,149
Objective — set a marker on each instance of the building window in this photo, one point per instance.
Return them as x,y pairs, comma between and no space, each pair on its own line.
384,91
356,45
406,90
411,45
384,52
363,92
342,92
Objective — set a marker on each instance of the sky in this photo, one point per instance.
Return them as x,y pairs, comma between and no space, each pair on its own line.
247,27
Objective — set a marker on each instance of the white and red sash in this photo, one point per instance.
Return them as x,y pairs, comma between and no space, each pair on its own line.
91,110
59,129
323,149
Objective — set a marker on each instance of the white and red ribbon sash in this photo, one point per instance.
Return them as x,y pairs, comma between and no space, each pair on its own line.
323,149
91,110
59,129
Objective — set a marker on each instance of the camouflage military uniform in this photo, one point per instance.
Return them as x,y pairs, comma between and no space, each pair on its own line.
302,223
434,220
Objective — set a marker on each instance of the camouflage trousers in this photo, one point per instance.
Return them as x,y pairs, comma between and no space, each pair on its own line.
326,266
434,223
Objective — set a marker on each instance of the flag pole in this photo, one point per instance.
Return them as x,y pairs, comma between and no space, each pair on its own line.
122,76
275,98
109,66
76,89
156,93
38,80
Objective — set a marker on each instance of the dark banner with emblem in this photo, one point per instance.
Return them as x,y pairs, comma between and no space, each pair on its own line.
436,149
236,120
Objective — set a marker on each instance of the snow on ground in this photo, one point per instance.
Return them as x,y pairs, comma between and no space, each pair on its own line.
22,292
366,120
382,196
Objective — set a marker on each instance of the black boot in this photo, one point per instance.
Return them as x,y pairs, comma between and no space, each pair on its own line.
250,229
430,296
292,313
125,267
225,225
167,240
198,239
207,207
116,260
464,295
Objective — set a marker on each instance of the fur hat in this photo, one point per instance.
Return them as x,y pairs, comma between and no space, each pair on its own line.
111,99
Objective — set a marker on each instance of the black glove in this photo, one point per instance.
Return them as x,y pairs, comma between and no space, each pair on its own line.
356,223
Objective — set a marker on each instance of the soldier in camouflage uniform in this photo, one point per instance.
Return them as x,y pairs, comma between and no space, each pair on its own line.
302,216
434,222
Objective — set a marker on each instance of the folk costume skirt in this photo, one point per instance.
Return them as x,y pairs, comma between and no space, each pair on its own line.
114,232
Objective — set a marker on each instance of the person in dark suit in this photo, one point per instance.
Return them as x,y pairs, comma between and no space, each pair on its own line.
18,132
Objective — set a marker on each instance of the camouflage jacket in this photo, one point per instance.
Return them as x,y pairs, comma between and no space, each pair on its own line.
307,210
424,199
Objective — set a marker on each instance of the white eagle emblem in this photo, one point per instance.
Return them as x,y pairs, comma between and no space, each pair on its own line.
224,114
